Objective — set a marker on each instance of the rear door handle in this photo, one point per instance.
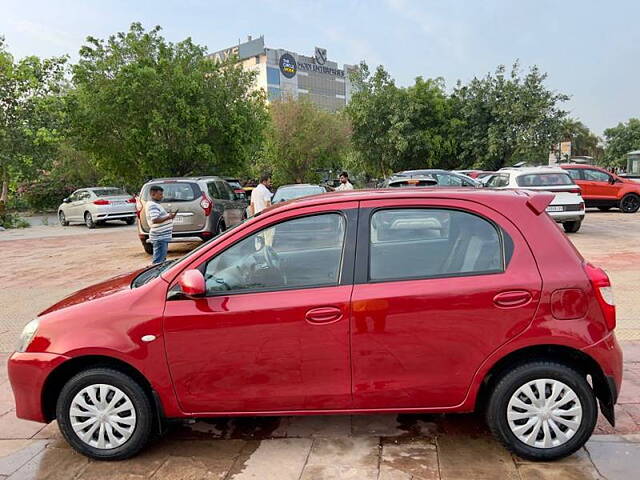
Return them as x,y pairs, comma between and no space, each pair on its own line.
323,315
512,298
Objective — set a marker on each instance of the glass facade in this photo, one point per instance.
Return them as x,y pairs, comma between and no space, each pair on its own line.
273,76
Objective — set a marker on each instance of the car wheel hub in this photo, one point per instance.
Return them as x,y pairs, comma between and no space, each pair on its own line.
102,416
544,413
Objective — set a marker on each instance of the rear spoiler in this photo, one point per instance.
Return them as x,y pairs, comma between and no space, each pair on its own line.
538,202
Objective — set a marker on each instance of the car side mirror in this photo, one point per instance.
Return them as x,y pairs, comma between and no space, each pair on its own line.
192,284
66,200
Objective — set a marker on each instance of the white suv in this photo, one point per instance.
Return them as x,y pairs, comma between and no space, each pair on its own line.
566,208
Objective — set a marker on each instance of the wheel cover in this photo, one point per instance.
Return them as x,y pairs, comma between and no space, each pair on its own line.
102,416
544,413
88,219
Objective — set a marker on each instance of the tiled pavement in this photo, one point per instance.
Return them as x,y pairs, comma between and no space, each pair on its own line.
381,447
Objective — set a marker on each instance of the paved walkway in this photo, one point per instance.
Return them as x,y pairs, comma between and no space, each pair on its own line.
363,447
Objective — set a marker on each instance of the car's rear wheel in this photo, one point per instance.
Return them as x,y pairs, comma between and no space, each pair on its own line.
147,246
572,227
88,220
104,414
130,221
604,209
630,203
542,410
63,219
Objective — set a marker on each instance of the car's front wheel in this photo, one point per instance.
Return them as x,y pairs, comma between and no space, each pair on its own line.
572,227
542,410
630,203
63,219
130,221
104,414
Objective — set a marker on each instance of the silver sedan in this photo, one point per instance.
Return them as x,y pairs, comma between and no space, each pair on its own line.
96,205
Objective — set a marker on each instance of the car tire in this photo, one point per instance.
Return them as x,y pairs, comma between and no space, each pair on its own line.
63,219
572,227
560,382
130,221
604,209
124,433
88,220
630,203
147,246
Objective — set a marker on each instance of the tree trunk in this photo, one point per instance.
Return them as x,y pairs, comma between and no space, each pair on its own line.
5,186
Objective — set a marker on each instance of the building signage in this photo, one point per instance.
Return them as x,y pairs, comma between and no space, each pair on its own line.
225,54
288,65
312,67
240,52
321,56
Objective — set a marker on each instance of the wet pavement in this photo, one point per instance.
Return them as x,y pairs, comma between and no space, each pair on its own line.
46,262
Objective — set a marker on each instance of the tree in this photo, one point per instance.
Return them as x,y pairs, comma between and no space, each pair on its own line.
303,139
31,114
400,128
620,140
583,141
506,118
145,107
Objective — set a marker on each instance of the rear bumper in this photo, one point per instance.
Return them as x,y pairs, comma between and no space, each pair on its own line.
115,216
608,354
27,374
567,216
182,237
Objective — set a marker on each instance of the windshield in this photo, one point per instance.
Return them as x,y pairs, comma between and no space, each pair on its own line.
151,273
544,179
289,193
108,192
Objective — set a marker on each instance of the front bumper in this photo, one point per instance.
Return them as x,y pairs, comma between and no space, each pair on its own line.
27,374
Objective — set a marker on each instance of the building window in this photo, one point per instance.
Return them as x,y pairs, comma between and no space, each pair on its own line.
273,76
273,93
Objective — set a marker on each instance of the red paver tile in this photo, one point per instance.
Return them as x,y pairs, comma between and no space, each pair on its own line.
624,424
631,351
12,427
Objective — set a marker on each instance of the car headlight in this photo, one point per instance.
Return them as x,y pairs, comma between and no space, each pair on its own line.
28,332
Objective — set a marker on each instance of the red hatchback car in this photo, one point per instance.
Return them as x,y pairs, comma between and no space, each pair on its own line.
603,189
407,300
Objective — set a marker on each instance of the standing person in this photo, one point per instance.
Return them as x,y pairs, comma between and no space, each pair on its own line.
261,195
160,224
345,184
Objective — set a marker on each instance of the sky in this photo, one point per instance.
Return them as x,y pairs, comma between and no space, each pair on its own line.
590,49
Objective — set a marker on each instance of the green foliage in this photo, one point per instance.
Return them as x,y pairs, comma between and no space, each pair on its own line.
31,114
301,140
583,141
11,220
507,117
620,140
144,107
400,128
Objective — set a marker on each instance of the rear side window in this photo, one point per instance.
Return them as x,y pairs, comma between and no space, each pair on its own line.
544,179
574,173
424,243
498,181
176,191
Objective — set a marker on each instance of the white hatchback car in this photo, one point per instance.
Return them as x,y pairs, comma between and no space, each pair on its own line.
96,205
567,207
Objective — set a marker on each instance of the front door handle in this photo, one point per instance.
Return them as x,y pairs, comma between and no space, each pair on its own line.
322,315
512,298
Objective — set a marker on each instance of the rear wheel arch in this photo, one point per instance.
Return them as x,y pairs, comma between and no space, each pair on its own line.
64,372
568,356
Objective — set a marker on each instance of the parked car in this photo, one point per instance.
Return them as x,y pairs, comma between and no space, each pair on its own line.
605,190
406,300
236,186
444,178
414,181
298,190
567,206
206,206
97,205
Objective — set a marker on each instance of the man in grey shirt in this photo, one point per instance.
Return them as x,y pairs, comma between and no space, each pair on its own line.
160,224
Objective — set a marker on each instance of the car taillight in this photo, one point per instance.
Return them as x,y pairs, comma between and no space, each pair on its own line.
239,191
206,205
101,202
138,207
131,200
604,293
581,206
575,190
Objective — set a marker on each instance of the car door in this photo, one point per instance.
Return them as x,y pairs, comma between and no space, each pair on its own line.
600,186
233,209
272,334
438,287
77,203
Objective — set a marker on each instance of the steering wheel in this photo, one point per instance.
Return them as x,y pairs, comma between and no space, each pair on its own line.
273,261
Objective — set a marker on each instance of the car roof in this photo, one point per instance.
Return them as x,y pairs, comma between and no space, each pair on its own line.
530,170
479,195
185,179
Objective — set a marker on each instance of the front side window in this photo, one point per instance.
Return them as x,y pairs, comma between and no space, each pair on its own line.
445,179
423,243
298,253
595,175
